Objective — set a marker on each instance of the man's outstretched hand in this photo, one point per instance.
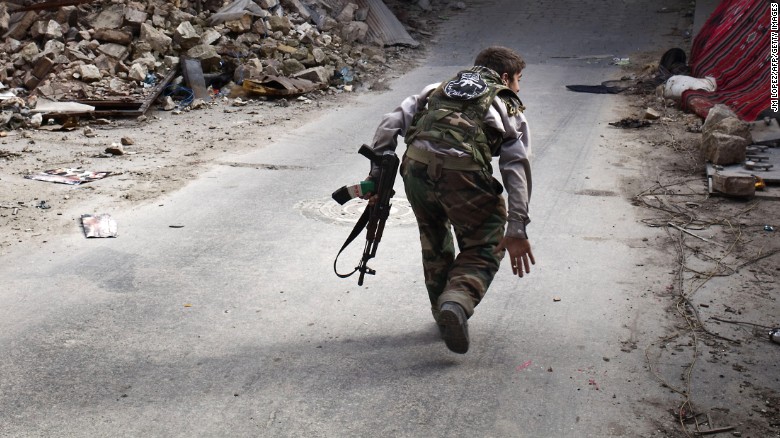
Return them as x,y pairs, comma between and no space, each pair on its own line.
520,254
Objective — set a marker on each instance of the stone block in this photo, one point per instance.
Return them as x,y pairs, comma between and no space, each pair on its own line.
279,24
5,18
156,38
259,28
347,13
740,186
730,126
210,36
206,54
716,114
318,75
241,25
42,67
113,36
30,81
29,51
292,66
106,63
116,51
19,29
724,149
138,72
46,29
354,31
89,73
134,18
111,17
186,36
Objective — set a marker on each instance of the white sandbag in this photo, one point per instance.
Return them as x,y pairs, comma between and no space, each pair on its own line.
676,85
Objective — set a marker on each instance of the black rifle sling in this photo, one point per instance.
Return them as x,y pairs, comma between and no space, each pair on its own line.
359,226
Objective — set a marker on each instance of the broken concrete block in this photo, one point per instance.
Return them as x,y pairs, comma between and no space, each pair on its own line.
267,4
156,38
115,149
111,17
53,48
318,75
29,52
89,73
134,18
279,24
30,81
347,14
115,51
240,25
730,126
319,55
138,72
107,63
5,18
292,66
168,104
113,36
718,113
354,31
207,55
724,149
210,36
67,15
171,61
258,27
186,36
42,67
651,114
741,186
48,30
19,29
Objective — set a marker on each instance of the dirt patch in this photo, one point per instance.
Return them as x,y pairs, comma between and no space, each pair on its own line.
721,296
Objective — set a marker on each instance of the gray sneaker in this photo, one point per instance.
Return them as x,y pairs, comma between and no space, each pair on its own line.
456,327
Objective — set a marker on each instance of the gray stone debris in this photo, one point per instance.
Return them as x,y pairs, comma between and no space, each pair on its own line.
109,49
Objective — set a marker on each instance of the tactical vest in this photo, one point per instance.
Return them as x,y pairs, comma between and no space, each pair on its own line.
456,112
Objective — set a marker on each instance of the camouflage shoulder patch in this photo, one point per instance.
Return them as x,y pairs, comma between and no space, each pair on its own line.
514,105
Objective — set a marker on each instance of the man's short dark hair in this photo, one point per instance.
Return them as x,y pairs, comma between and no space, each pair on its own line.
501,60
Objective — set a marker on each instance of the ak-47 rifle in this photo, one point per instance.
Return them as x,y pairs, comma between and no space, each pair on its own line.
375,214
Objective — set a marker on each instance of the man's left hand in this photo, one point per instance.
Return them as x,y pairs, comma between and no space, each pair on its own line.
520,254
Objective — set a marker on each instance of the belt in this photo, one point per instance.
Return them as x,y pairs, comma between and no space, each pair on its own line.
444,161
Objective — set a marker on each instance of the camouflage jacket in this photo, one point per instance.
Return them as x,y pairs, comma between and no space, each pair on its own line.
513,153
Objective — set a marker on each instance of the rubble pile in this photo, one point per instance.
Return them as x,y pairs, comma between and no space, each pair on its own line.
119,50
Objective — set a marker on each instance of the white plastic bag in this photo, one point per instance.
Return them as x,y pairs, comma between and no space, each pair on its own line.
676,85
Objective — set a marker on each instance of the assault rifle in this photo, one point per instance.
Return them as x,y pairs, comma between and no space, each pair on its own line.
376,213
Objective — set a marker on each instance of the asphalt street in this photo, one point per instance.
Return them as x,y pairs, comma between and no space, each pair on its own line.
234,324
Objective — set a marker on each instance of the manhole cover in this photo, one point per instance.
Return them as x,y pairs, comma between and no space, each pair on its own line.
330,211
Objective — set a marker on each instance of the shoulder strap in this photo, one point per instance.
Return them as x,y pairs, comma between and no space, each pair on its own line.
359,226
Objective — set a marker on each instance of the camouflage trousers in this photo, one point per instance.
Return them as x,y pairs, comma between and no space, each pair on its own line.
469,202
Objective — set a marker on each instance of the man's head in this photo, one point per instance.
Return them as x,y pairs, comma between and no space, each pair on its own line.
504,61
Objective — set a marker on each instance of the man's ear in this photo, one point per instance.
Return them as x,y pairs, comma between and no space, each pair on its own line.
505,78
